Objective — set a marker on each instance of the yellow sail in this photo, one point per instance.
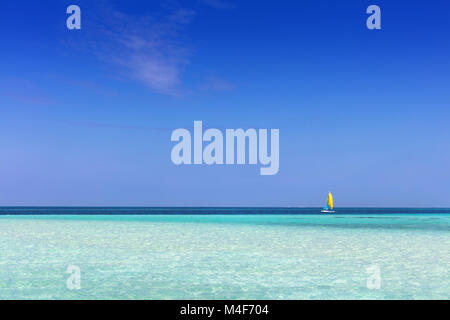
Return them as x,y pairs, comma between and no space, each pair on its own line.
330,201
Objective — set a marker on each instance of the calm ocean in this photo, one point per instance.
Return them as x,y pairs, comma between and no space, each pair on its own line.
225,253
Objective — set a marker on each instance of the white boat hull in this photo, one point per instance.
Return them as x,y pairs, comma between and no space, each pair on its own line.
327,211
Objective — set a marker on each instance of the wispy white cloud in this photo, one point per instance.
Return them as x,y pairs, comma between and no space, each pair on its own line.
148,49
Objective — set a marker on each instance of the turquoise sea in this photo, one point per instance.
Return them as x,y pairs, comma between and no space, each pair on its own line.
233,253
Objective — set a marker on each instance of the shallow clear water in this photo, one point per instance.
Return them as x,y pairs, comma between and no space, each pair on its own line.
278,256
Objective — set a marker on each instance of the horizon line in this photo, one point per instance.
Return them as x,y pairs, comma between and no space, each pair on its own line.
221,207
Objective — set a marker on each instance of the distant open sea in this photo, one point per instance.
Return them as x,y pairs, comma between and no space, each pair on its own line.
209,210
225,253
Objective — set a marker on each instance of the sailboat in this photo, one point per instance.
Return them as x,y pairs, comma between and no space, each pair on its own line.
329,205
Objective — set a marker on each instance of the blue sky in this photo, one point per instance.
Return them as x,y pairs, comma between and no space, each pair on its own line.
86,115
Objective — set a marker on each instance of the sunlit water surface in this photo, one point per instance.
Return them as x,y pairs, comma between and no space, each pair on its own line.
282,256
